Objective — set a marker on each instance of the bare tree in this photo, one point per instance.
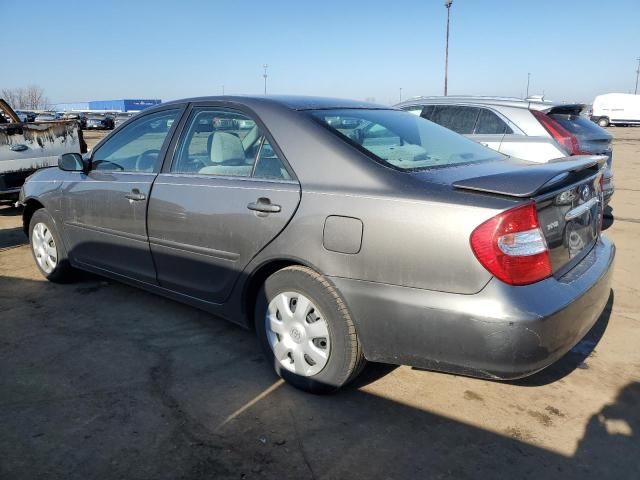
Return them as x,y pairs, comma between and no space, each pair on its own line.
32,97
35,97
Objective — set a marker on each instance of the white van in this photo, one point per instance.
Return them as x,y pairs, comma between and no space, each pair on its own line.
616,109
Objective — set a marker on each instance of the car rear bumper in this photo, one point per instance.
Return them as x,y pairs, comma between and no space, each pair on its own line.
503,332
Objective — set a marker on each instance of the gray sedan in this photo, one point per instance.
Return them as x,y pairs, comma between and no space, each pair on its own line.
340,231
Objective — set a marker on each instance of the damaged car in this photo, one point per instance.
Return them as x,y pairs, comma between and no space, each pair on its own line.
381,236
27,146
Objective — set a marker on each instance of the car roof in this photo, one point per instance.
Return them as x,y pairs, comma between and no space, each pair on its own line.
294,102
531,103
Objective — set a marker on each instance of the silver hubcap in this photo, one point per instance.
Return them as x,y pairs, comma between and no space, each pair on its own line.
44,248
298,334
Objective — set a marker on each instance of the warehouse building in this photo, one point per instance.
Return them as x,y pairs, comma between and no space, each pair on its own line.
124,105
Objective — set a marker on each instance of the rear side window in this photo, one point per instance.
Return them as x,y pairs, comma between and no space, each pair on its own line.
225,142
460,119
490,124
579,125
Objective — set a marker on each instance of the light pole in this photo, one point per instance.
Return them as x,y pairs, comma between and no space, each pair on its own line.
400,94
447,4
265,66
637,75
528,80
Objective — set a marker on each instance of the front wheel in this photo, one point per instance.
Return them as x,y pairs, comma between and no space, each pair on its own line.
603,122
306,330
47,248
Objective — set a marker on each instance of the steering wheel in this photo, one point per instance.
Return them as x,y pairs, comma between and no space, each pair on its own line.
147,160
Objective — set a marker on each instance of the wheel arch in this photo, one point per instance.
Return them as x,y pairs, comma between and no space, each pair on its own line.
258,277
31,205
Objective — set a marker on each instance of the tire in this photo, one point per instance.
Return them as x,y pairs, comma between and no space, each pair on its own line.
603,122
44,239
333,345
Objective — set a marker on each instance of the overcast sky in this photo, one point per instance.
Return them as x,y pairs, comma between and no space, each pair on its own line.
79,51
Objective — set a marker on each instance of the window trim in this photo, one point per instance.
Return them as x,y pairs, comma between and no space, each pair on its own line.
229,105
180,107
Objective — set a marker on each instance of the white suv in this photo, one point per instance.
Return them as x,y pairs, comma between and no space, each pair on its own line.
529,129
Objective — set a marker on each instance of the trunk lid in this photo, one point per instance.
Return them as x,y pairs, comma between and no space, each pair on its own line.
567,193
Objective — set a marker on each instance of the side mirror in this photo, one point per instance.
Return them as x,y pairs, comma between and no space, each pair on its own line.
71,162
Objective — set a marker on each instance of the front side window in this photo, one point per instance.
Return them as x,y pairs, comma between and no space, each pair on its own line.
136,148
220,141
401,139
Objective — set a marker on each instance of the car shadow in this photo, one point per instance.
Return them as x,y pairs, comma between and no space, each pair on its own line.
102,380
12,237
7,209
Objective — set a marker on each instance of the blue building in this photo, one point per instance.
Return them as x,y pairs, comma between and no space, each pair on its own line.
124,105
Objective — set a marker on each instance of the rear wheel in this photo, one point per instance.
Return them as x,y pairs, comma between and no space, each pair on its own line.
603,122
306,330
47,248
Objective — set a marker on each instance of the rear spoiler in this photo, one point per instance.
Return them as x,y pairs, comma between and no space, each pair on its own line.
535,178
568,109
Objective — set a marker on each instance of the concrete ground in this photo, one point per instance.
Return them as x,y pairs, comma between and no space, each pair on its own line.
101,380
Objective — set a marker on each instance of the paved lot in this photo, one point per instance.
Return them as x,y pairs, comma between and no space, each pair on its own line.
100,380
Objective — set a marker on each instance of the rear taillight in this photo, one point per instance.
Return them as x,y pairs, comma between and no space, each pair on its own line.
512,247
560,134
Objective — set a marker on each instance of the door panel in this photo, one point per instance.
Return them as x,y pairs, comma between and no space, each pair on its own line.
203,233
105,210
105,228
535,149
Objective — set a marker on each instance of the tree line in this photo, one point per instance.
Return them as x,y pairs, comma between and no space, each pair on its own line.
26,98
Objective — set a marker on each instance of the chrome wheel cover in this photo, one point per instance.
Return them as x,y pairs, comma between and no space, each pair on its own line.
44,247
298,334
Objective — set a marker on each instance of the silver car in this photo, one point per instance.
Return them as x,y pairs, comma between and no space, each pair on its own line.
530,129
341,231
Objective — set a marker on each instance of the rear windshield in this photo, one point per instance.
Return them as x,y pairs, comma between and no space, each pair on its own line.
579,125
402,140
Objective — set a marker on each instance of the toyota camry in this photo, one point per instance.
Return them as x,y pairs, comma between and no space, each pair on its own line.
340,231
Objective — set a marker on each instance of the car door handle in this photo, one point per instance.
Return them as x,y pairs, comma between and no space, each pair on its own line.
264,205
19,148
135,195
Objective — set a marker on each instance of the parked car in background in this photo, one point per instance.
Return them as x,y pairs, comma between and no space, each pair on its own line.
532,130
120,118
46,117
28,146
383,237
78,116
28,115
619,109
22,116
97,121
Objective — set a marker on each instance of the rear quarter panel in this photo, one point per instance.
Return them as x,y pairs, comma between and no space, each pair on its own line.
417,243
